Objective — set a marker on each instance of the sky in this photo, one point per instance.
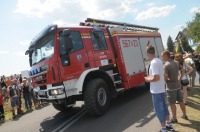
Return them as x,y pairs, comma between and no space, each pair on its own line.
22,20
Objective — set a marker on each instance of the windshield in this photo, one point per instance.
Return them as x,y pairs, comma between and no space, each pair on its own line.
42,50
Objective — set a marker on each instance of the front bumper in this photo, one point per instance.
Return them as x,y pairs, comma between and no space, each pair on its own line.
50,93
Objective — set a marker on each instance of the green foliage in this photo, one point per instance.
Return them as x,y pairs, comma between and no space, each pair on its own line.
193,28
178,49
198,48
170,45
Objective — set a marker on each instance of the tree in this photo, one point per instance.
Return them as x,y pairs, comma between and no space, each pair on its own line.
193,28
170,44
198,48
178,48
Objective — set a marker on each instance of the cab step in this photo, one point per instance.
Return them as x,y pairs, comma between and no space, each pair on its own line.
118,81
120,89
113,74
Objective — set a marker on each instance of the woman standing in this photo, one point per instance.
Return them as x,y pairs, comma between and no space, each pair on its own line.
188,69
27,95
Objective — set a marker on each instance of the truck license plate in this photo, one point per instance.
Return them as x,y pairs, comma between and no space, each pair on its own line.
41,93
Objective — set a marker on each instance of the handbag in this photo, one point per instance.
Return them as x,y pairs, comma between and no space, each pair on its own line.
184,82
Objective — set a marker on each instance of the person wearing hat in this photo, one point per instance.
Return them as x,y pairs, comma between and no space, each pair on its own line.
191,63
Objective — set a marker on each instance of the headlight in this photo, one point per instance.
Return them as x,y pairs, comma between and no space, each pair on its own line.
56,91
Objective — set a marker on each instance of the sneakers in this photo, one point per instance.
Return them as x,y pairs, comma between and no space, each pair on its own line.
170,128
161,130
174,120
184,117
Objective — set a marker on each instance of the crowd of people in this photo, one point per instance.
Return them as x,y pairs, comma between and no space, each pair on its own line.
14,88
171,78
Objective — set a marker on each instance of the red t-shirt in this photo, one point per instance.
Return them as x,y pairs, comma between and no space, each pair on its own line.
1,99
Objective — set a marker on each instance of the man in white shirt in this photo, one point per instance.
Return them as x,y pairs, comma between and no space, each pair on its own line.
157,88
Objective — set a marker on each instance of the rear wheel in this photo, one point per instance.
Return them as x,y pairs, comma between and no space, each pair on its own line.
97,96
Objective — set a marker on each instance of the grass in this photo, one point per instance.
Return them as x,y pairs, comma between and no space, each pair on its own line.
7,109
8,112
193,113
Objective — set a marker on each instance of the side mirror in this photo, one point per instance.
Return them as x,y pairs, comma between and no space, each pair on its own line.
68,44
27,52
66,32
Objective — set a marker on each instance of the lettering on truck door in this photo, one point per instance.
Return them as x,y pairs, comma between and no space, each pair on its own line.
133,59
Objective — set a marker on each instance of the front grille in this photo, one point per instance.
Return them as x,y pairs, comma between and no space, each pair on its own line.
43,87
42,96
57,84
41,82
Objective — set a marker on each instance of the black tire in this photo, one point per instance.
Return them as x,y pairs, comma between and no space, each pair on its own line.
97,97
61,107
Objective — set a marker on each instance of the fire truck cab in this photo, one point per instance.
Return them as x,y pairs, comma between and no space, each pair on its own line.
91,62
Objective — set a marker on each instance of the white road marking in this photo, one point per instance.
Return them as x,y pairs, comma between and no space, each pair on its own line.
70,120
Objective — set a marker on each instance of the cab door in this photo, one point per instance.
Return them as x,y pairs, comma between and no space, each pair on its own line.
73,62
101,48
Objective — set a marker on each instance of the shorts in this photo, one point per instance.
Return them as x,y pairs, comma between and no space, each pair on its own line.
160,106
175,95
15,101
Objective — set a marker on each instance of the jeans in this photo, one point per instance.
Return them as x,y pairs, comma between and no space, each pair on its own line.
160,106
27,99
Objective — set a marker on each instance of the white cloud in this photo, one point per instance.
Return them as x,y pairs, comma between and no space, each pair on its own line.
25,42
36,7
60,22
4,51
151,4
67,11
22,54
195,10
178,27
155,12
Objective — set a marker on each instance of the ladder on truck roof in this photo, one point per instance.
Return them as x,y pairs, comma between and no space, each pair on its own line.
125,26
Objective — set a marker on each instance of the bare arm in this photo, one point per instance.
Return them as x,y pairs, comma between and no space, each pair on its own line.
166,77
152,78
190,69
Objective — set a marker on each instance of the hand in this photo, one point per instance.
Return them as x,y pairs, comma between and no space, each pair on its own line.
146,79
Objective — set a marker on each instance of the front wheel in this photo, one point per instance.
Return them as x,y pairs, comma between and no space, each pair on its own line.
61,107
97,96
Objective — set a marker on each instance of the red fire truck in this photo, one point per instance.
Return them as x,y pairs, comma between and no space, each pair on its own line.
90,63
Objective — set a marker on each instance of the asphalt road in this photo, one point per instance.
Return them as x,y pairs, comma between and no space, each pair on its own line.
131,111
